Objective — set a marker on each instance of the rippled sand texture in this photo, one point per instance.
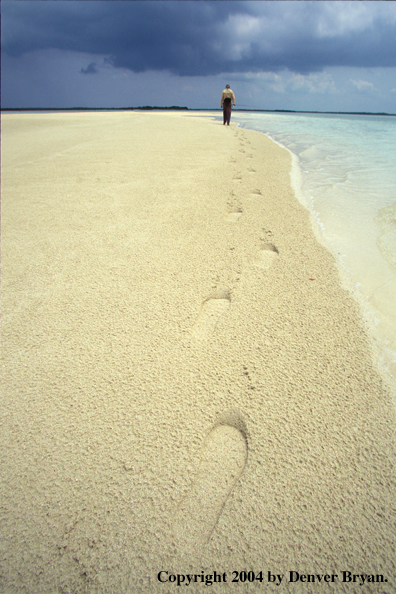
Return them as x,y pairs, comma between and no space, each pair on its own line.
186,386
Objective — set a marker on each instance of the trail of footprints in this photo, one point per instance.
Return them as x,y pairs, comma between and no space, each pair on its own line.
223,455
217,304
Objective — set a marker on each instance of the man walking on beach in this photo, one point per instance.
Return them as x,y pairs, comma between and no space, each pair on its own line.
227,97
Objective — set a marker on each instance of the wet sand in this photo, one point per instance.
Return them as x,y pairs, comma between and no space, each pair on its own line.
186,386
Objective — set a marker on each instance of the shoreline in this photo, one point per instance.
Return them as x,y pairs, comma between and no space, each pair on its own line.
375,320
187,384
381,359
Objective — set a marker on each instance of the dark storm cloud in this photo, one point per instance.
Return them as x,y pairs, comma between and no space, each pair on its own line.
203,38
90,69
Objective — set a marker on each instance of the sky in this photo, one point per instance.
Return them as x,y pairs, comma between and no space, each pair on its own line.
297,55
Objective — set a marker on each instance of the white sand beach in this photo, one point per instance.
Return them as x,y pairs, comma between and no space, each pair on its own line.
186,386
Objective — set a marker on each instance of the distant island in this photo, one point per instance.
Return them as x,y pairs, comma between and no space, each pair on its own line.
184,108
145,108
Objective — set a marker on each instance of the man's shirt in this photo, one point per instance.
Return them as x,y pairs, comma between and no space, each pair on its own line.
227,93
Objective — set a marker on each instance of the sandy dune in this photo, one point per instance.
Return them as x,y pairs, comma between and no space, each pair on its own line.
187,387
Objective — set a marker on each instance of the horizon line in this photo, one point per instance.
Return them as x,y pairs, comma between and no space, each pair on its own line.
178,108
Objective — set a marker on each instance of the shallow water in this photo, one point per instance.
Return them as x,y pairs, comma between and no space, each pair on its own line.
344,172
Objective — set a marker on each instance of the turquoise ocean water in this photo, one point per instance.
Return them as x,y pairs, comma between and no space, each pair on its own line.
344,172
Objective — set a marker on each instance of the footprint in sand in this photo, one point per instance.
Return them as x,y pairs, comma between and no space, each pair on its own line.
221,462
214,307
254,194
234,214
266,256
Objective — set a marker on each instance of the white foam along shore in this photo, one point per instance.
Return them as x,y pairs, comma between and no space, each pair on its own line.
187,387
